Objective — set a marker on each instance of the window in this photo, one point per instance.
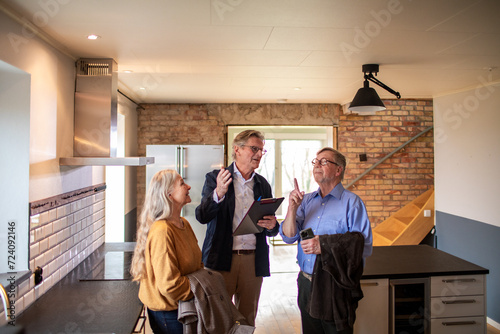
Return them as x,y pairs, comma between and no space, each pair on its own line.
290,150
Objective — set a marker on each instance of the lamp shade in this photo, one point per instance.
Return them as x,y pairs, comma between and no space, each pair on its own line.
366,100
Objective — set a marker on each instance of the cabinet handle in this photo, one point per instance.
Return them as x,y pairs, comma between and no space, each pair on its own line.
458,323
459,301
459,280
370,284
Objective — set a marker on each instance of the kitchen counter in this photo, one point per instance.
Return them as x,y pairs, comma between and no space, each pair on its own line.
416,261
74,305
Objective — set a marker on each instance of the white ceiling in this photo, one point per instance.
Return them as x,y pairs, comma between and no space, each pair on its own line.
261,51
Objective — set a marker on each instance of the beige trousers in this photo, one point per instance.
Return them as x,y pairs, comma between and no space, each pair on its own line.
243,286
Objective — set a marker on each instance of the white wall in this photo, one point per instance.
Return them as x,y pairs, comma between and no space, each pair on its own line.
14,169
51,112
467,152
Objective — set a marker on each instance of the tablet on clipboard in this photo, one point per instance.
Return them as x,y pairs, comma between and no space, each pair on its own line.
259,209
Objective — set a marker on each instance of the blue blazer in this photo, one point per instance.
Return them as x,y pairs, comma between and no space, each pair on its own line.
218,243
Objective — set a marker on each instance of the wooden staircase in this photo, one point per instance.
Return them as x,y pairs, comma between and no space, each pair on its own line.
407,226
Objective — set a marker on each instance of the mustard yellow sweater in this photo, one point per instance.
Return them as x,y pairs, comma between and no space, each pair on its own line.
171,253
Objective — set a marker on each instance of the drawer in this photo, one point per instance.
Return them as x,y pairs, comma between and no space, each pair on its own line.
466,325
457,285
458,306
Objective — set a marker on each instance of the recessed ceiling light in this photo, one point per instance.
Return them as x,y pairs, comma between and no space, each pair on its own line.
128,71
93,37
281,100
297,88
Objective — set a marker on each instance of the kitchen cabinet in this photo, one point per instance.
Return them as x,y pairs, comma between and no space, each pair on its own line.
445,294
372,315
458,304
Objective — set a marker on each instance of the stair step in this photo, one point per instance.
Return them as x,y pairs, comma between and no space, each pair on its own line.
380,240
404,220
406,226
389,235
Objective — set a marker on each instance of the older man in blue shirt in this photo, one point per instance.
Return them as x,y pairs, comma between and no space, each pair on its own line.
329,210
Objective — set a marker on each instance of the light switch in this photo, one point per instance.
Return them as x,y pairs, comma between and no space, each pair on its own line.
427,213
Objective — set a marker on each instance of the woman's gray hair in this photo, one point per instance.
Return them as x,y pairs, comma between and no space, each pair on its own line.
242,138
157,206
338,158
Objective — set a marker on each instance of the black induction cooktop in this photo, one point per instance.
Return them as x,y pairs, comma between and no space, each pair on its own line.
115,266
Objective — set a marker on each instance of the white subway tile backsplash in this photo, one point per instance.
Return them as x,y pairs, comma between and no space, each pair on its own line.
56,251
43,245
39,261
38,234
52,215
48,256
53,240
19,305
99,196
60,239
34,221
34,250
47,230
44,218
29,298
63,211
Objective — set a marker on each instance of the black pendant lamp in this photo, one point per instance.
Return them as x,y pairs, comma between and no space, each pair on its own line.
366,99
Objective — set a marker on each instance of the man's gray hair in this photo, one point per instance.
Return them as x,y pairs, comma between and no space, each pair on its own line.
338,158
242,138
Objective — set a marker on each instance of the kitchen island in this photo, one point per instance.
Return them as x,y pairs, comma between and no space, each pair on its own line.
420,289
414,262
95,297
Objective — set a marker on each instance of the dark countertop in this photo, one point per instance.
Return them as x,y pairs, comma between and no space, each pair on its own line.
75,306
416,261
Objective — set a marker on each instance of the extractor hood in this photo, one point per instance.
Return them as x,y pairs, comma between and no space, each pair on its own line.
96,137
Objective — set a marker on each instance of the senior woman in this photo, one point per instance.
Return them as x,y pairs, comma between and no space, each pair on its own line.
166,251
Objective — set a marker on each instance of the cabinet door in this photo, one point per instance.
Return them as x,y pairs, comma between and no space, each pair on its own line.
372,315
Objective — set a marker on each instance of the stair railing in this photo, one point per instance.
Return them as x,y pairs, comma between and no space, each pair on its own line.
387,157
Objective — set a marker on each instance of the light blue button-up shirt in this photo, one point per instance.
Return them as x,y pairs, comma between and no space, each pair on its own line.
339,211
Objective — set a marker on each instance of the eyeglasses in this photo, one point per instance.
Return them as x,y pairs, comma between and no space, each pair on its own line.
323,162
256,149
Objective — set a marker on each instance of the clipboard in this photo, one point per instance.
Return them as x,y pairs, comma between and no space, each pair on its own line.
258,209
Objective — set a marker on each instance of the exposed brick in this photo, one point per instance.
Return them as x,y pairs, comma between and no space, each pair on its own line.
385,190
404,176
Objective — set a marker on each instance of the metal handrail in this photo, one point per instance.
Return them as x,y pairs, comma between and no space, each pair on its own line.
387,157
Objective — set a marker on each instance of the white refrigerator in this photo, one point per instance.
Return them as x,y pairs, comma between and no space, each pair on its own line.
192,162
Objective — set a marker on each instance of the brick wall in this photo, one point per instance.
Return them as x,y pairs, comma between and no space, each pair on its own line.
405,175
191,124
384,190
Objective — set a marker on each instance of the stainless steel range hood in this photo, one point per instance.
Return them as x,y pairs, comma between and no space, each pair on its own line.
96,136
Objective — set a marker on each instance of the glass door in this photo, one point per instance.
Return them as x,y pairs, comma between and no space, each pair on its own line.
409,306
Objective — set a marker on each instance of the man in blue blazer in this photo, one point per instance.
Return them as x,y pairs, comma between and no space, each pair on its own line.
227,195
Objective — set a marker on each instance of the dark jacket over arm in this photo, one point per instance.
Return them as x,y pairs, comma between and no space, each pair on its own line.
335,284
218,243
